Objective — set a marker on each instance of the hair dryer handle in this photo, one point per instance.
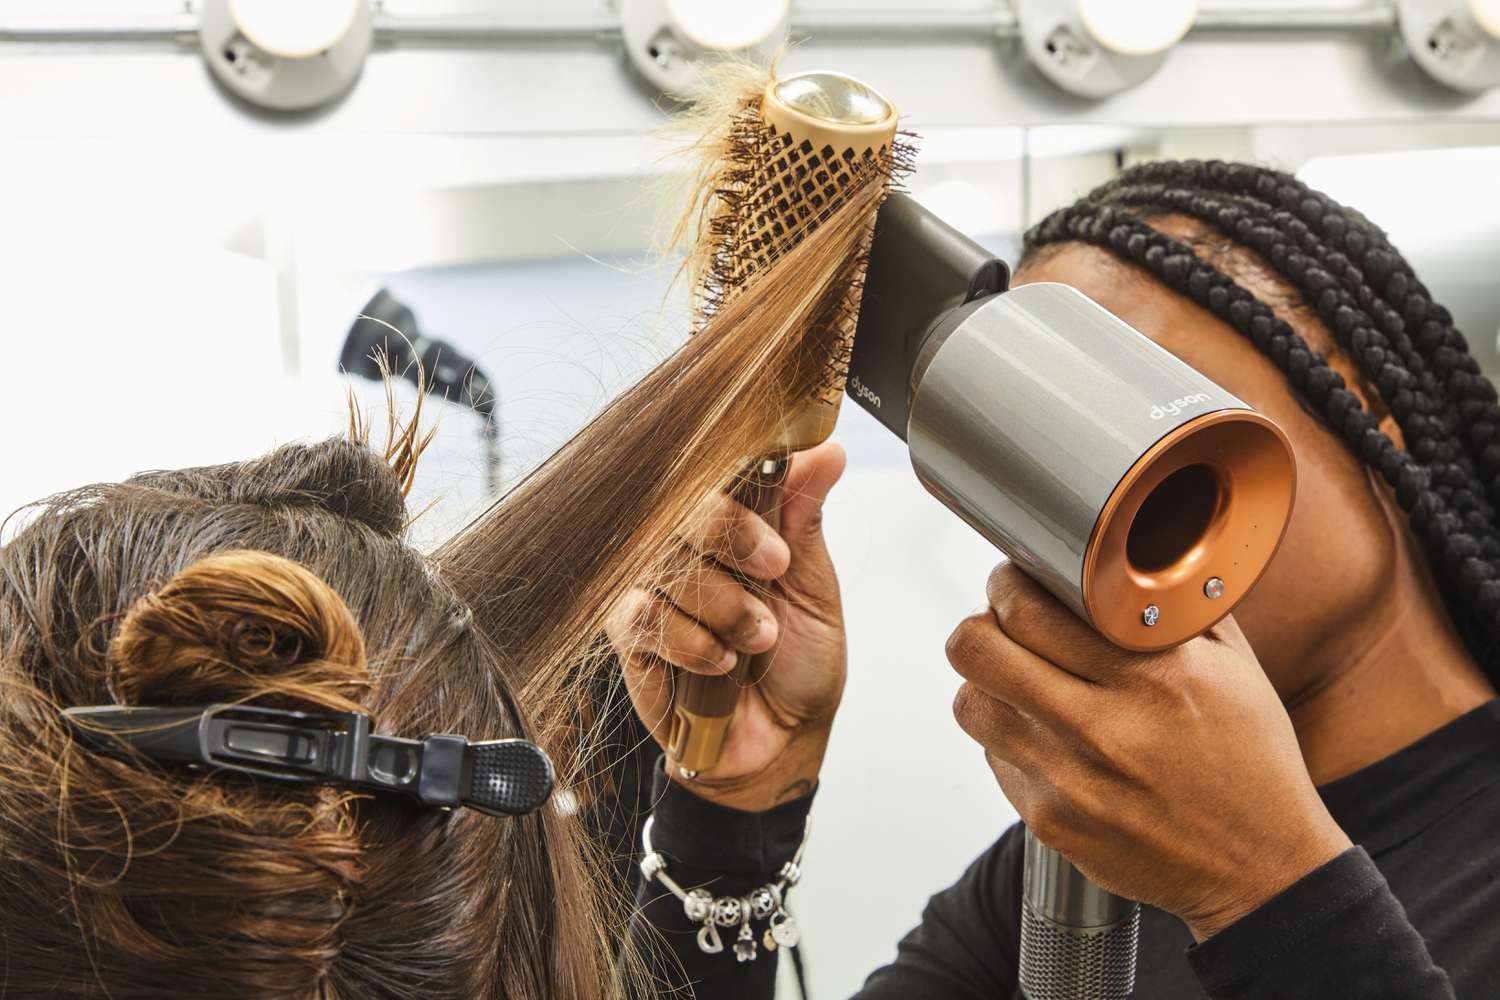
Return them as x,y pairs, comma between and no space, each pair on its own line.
1078,942
702,705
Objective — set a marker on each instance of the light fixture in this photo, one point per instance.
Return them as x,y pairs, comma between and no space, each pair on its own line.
668,41
1457,42
1486,14
1096,48
286,55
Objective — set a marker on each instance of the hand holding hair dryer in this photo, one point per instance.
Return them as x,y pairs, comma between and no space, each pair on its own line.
1141,494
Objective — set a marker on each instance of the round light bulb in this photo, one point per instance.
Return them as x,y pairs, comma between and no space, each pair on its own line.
725,25
1137,27
1486,14
833,97
294,29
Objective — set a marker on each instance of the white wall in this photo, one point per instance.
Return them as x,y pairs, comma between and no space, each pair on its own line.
907,800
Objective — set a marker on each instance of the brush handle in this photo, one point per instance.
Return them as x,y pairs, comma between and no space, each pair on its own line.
702,705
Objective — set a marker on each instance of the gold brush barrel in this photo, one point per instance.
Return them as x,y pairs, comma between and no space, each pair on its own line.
824,135
808,142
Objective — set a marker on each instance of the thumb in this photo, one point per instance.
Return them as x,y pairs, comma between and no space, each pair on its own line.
808,482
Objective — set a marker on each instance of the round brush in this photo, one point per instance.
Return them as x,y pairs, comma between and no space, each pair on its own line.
795,152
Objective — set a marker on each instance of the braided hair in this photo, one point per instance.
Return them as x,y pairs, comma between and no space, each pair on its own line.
1447,478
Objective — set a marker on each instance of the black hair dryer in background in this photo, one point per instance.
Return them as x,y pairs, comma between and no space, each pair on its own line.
388,326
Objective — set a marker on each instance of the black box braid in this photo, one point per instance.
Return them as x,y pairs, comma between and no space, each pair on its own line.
1447,479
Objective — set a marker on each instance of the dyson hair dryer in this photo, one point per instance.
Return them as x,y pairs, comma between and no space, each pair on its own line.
1141,494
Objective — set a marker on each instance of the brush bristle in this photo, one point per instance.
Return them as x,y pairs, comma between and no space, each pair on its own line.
763,195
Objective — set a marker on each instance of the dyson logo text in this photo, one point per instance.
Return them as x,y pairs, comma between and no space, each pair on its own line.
1176,406
861,391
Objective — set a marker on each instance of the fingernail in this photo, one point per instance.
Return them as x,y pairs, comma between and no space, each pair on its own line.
766,630
729,659
771,551
778,555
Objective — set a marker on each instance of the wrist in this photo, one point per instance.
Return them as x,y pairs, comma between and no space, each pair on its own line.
1320,845
792,774
707,840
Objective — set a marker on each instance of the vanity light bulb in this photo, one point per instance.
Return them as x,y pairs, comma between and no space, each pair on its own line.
725,26
1141,27
294,29
1487,16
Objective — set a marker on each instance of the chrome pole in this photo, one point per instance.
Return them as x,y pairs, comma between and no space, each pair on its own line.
602,27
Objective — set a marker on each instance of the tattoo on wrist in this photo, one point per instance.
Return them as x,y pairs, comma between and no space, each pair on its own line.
795,790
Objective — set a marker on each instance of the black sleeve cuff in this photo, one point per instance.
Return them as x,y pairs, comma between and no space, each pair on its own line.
695,833
1336,932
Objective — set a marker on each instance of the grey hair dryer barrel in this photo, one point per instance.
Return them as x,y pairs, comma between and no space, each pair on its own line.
1144,496
1077,940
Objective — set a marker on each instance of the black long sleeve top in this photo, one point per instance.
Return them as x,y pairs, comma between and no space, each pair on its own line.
1412,911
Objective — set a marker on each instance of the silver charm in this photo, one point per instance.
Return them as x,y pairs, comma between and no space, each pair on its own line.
711,913
763,902
708,939
728,911
786,932
698,905
744,948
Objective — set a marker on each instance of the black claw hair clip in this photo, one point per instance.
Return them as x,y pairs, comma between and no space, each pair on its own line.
498,777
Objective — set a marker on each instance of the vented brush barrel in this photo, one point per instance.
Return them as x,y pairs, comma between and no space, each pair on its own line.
825,133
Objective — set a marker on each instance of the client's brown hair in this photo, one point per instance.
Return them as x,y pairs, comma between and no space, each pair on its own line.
285,581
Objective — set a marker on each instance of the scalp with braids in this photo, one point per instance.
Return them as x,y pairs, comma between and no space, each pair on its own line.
1447,478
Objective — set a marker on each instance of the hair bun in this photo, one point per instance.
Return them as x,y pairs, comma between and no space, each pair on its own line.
236,626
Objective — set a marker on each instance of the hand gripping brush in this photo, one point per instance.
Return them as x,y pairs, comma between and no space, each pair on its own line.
796,151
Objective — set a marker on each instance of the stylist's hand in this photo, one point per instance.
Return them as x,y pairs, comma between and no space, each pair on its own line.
1174,778
700,620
